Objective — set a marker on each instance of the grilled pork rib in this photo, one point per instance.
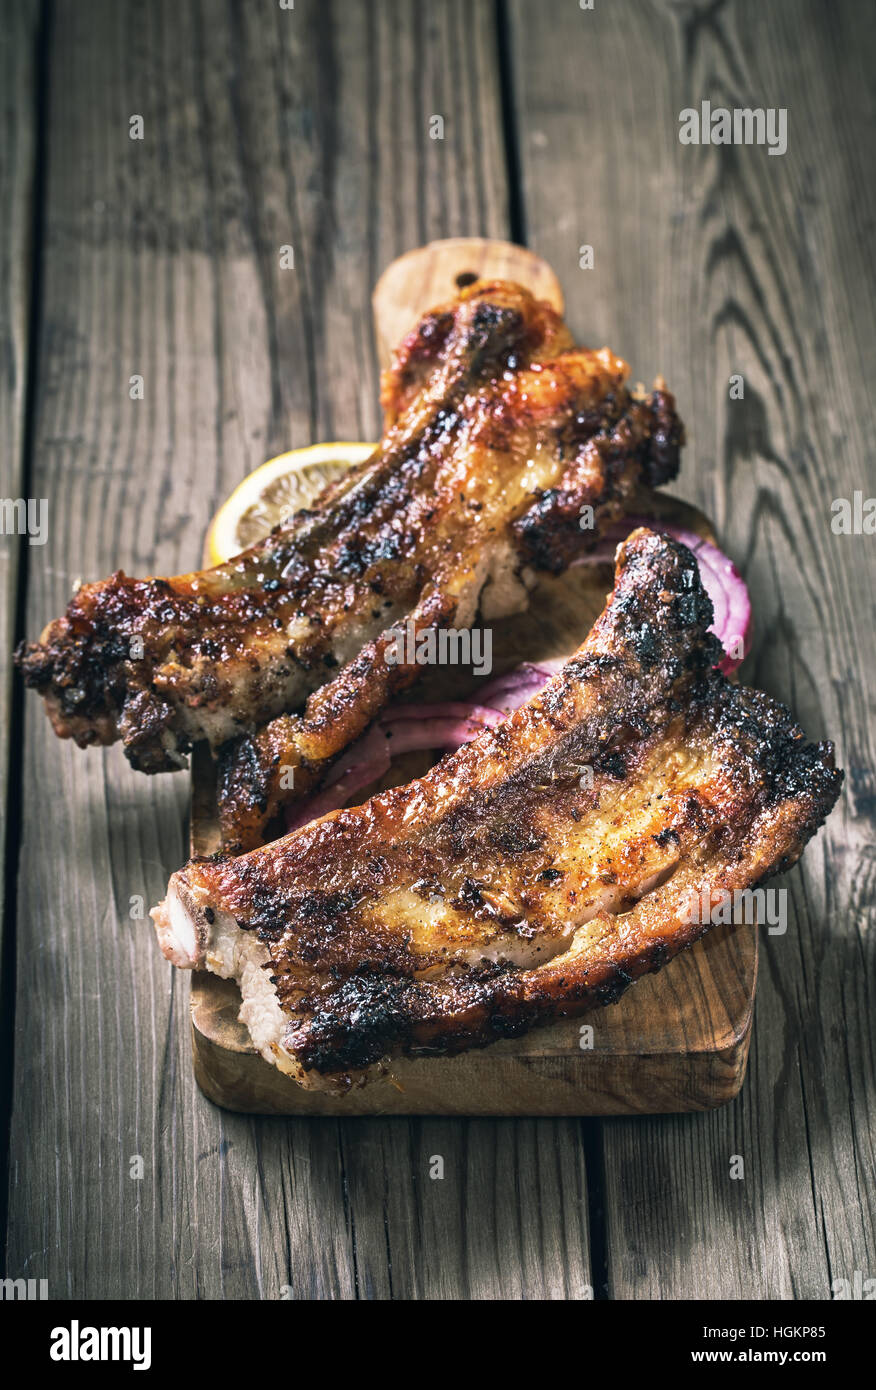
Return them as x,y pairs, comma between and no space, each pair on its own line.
536,872
498,432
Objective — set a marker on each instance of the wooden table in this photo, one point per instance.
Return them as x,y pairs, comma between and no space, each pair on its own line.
161,258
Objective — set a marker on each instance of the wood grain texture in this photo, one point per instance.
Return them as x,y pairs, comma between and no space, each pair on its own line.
263,128
309,128
708,262
18,65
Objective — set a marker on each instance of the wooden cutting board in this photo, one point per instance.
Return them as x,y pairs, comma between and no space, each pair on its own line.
677,1041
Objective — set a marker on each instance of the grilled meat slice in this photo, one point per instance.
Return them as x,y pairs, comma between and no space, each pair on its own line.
498,432
536,872
519,472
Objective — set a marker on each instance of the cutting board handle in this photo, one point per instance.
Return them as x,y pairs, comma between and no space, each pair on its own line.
433,274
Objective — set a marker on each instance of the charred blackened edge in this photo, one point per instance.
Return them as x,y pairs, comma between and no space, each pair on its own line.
661,455
374,1014
660,611
657,627
81,669
97,694
251,794
638,444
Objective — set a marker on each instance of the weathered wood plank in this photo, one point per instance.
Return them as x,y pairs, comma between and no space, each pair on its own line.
709,262
18,61
262,128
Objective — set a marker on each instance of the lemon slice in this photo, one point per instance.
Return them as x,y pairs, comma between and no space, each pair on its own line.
281,486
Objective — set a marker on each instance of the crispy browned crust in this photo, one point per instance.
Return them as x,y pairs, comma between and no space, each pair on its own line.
499,891
469,453
448,502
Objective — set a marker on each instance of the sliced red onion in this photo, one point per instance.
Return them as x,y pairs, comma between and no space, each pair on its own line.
372,747
452,709
337,795
408,736
514,688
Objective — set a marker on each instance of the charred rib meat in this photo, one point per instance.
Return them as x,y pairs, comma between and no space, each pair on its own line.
498,432
536,872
